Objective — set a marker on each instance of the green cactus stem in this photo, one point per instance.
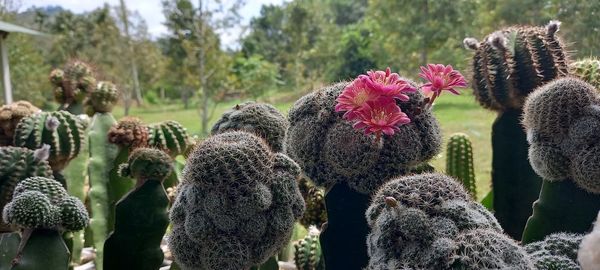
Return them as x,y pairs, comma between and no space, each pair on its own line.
43,249
73,85
141,216
459,161
588,70
10,115
307,252
171,137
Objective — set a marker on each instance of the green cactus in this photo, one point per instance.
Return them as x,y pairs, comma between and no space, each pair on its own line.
73,86
508,65
103,98
10,115
314,197
588,70
307,252
459,162
171,137
141,216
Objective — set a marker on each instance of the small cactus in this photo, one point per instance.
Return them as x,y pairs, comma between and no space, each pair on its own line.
103,98
73,85
556,251
10,115
459,162
588,70
307,251
129,133
169,136
316,213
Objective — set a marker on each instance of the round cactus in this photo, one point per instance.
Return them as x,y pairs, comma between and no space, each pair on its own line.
236,205
147,164
316,213
587,69
10,115
261,119
104,97
459,161
62,131
510,63
307,251
556,251
129,132
73,85
170,137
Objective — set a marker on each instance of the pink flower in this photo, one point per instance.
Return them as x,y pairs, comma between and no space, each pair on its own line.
354,96
387,84
439,78
381,115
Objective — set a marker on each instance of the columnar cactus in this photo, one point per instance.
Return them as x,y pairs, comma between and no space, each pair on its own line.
62,131
261,119
169,136
508,65
307,252
16,164
141,216
351,165
589,251
236,204
73,85
459,161
316,213
429,221
562,119
587,69
556,251
10,115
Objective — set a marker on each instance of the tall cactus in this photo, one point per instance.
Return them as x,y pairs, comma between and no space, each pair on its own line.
562,120
459,161
587,69
10,115
141,216
508,65
73,85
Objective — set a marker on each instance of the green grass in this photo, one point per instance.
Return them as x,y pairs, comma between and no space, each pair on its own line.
455,114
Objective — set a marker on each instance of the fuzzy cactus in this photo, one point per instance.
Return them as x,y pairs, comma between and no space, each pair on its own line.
169,136
261,119
459,161
429,221
508,65
316,213
307,252
236,204
562,119
587,69
351,165
73,85
62,131
141,216
556,251
10,115
103,98
589,251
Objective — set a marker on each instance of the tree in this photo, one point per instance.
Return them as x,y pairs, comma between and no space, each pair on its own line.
130,51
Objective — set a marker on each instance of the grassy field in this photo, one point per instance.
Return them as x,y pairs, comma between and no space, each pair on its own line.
455,114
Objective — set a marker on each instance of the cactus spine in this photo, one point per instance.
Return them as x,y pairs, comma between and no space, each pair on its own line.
507,66
459,162
141,216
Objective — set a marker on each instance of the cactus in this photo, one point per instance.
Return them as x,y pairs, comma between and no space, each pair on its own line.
507,66
459,162
170,137
103,98
236,204
10,115
429,221
556,251
589,251
307,252
316,213
562,120
73,85
141,216
62,131
16,164
588,70
261,119
351,165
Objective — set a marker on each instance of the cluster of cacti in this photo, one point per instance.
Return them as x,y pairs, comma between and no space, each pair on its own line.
314,197
589,251
169,136
351,165
459,162
556,251
73,85
236,204
261,119
141,216
587,69
307,252
429,221
508,65
562,119
10,115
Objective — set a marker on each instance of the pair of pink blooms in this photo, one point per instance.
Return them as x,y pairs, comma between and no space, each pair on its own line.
370,100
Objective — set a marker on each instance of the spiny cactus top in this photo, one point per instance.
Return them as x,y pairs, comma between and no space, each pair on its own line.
556,251
147,164
562,119
129,132
169,136
459,161
40,202
62,131
330,150
236,205
261,119
587,69
307,251
73,84
589,251
104,97
428,221
10,115
510,63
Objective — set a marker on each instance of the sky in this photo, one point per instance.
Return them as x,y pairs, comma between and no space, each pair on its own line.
151,11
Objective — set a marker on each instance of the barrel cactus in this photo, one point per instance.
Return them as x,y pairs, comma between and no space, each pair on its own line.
307,252
236,204
459,161
10,115
73,85
103,98
587,69
562,119
261,119
169,136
